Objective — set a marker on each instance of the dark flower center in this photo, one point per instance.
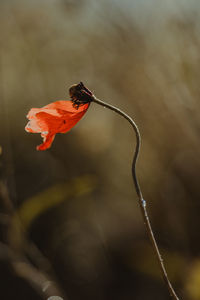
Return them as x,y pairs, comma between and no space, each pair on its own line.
80,95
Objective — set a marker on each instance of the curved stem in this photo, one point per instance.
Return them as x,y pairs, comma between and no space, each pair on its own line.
141,201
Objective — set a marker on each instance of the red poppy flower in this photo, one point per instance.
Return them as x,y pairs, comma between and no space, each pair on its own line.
56,117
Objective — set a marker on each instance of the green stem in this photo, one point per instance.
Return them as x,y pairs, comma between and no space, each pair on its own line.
142,202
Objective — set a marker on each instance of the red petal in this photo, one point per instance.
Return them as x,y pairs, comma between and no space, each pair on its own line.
56,117
47,141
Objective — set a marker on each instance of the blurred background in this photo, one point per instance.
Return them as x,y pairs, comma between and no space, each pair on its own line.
70,224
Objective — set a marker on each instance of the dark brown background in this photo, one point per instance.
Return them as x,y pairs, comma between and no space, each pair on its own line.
70,214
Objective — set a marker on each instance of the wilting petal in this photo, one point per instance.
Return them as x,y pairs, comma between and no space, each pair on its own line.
56,117
47,141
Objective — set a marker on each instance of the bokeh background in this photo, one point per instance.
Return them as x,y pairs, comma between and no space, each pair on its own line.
70,224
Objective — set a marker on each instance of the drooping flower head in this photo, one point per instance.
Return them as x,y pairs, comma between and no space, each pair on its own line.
80,94
59,116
